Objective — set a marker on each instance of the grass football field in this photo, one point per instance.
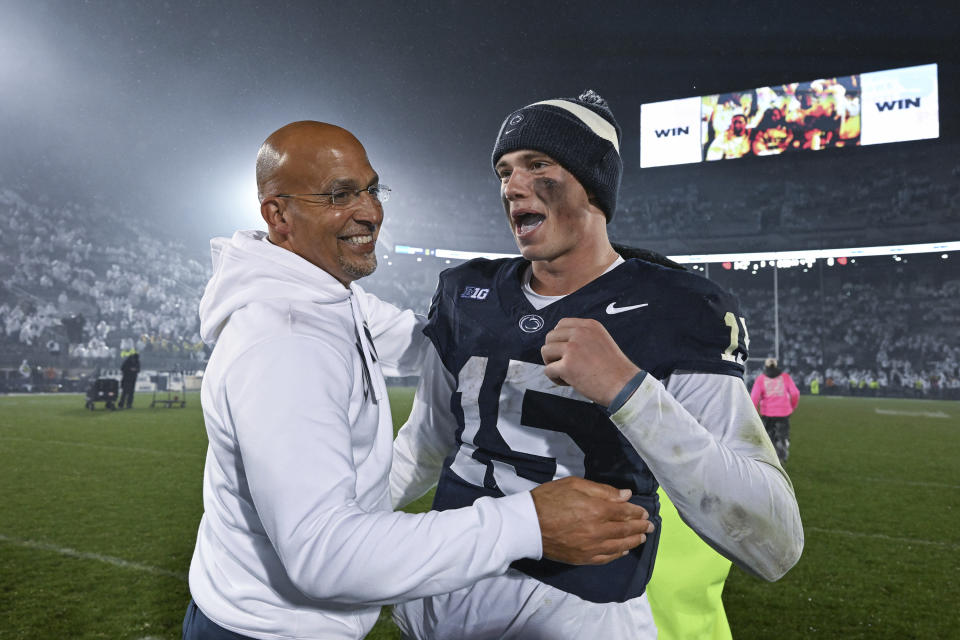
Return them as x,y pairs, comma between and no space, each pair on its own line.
99,510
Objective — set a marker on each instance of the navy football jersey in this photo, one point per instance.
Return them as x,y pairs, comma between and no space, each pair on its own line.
516,429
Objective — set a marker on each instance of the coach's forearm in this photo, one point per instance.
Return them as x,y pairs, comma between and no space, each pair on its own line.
326,518
714,460
357,557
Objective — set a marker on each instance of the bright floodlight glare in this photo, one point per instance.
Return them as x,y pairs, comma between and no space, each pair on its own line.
236,196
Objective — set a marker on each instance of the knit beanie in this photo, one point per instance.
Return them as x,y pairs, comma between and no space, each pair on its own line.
579,133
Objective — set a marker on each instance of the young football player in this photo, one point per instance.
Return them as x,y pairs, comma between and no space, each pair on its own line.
573,361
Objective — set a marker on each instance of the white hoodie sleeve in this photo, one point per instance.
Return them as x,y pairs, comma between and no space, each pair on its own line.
293,420
706,445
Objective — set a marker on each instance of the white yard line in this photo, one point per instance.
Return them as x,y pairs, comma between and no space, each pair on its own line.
880,536
25,394
99,557
914,414
68,443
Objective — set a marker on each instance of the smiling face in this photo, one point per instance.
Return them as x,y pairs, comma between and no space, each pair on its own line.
549,211
341,240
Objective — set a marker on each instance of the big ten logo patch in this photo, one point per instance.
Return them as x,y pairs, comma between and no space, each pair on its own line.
475,293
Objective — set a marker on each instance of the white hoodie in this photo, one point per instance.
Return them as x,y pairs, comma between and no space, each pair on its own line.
298,539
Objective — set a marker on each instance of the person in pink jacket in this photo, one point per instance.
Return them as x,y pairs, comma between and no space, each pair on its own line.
776,396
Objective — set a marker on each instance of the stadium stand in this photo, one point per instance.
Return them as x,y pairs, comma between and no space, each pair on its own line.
78,288
878,326
835,198
105,279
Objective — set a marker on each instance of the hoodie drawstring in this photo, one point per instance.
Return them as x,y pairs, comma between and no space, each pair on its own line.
367,351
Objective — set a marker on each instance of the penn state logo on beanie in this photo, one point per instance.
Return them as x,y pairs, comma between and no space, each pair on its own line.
580,133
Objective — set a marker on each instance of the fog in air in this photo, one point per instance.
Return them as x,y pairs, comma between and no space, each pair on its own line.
156,110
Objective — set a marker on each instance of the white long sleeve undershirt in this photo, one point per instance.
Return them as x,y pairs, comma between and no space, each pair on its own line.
701,437
704,442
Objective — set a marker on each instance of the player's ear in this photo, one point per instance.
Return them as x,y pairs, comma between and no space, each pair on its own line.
592,198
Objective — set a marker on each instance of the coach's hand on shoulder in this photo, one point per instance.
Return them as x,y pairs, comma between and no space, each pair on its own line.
584,522
579,352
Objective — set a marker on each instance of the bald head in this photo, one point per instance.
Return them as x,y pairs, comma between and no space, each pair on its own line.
291,154
298,167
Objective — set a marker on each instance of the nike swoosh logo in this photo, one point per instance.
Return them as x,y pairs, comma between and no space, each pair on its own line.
508,132
611,309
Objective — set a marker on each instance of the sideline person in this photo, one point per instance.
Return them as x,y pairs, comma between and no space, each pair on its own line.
129,371
573,361
775,395
298,539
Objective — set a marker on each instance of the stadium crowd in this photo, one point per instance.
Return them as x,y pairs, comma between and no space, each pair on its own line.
912,201
815,200
877,326
80,289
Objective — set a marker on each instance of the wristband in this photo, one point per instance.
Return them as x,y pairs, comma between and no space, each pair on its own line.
621,398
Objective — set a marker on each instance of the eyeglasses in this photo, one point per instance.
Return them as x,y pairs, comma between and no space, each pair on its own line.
342,197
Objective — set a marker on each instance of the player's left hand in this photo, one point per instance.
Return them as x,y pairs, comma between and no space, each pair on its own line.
579,352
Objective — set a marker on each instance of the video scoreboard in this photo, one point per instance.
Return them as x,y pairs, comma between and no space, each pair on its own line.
895,105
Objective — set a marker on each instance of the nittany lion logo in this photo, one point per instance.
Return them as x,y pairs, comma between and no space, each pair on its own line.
531,323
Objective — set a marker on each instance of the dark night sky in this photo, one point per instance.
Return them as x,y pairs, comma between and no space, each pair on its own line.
157,109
